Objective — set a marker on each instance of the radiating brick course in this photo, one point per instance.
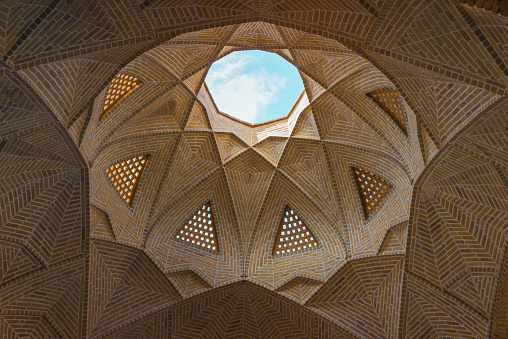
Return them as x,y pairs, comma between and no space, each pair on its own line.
77,260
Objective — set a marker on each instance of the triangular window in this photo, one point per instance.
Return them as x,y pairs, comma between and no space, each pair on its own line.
200,230
372,189
389,99
121,86
293,234
126,175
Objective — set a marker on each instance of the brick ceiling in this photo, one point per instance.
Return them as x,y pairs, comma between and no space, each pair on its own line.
411,94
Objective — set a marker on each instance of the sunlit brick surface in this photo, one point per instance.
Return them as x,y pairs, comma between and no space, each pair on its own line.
78,261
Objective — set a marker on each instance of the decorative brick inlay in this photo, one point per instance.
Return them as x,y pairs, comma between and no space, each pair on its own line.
199,230
126,175
389,100
293,236
121,86
373,190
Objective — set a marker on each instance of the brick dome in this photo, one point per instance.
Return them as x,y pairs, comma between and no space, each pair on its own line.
133,208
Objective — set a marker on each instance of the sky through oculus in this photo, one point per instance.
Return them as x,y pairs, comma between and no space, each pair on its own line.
254,86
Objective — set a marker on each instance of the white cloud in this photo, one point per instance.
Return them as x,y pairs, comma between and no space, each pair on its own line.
243,93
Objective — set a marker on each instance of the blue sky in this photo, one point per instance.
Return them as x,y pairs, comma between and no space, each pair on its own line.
254,86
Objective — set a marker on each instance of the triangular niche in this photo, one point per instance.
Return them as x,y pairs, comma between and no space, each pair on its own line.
372,188
293,235
125,176
200,230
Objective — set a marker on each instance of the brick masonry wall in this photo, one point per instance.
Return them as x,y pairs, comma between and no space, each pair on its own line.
76,261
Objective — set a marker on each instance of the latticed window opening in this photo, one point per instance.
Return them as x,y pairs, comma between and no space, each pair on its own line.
120,87
126,175
373,190
389,100
293,234
199,230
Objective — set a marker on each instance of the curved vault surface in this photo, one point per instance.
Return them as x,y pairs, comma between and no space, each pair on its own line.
382,105
248,173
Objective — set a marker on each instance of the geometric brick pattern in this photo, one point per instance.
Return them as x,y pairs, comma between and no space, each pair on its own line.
188,283
300,289
121,86
126,175
121,274
454,210
373,190
389,100
199,230
244,310
43,219
293,235
71,270
194,160
23,326
372,294
395,239
249,176
500,325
